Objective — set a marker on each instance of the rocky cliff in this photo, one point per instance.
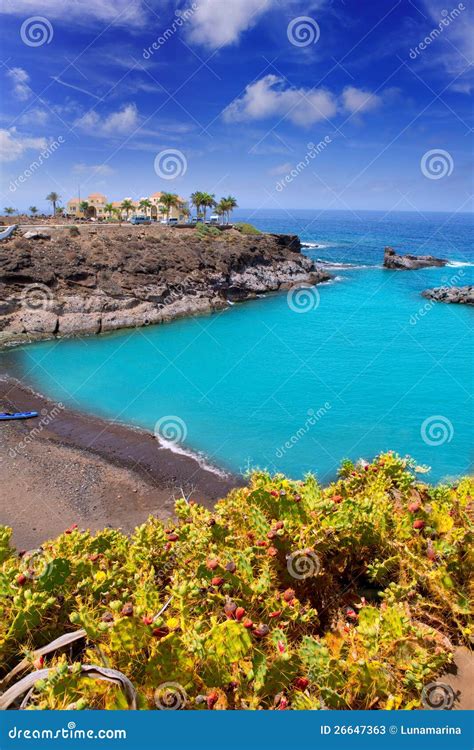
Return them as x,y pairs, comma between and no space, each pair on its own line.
92,279
396,262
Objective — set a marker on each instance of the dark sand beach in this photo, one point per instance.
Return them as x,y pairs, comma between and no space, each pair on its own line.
66,467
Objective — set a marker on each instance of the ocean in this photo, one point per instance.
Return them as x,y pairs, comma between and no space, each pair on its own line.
297,382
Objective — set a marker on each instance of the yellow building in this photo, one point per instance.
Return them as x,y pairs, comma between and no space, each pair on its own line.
96,203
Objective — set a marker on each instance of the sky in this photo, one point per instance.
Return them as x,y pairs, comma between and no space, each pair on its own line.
334,104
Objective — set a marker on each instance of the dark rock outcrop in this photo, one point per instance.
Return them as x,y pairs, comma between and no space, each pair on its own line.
396,262
462,295
116,277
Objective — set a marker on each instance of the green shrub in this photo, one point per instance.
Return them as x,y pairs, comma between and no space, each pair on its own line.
204,230
285,595
245,228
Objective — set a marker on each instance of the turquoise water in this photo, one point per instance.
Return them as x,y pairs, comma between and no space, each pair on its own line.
371,366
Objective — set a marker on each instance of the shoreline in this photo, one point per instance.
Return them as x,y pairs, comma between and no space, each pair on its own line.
70,467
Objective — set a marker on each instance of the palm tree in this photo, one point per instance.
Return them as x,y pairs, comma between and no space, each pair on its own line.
9,210
228,204
196,200
109,209
84,207
33,210
145,205
169,201
220,210
208,200
185,210
127,206
54,199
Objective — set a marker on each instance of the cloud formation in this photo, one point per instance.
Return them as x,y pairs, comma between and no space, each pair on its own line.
121,12
358,100
270,97
122,122
13,144
20,80
102,170
216,23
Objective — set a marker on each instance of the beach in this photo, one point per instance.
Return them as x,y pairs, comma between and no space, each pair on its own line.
80,469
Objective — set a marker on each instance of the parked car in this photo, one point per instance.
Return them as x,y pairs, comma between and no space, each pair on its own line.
140,220
172,221
214,219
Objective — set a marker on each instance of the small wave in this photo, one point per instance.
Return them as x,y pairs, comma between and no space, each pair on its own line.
347,266
313,245
200,458
459,263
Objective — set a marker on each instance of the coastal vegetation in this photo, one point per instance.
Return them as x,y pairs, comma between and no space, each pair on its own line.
287,595
245,228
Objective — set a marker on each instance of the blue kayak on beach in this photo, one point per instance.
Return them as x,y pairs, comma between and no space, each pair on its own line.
18,415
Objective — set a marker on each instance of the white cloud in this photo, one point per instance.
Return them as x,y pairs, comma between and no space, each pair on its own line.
268,98
454,46
217,23
93,169
122,122
119,12
20,79
358,100
35,116
14,144
281,169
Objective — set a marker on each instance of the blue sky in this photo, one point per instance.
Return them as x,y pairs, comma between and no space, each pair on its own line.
236,90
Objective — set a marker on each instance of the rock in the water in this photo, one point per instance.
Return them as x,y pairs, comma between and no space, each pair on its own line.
409,262
463,295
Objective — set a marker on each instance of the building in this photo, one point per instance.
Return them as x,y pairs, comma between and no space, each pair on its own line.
98,207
